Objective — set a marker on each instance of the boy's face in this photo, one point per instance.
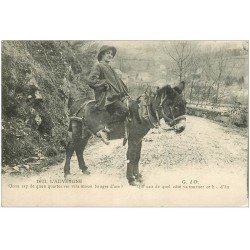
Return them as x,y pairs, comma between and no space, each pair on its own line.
107,56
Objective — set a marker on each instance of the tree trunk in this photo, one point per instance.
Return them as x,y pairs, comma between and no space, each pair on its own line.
217,93
191,92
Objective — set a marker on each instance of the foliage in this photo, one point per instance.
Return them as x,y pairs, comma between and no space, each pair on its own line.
239,115
38,80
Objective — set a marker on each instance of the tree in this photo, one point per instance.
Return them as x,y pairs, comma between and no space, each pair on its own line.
245,46
217,69
182,54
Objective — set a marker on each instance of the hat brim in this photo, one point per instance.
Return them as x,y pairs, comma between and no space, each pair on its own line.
101,52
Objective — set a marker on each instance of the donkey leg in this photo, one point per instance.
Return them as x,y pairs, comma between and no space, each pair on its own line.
69,152
137,156
133,157
73,139
79,151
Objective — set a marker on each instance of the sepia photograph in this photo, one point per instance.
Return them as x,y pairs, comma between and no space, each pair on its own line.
147,123
124,125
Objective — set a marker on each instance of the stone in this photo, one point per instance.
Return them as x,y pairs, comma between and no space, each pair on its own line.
32,159
38,119
27,167
16,168
33,83
38,95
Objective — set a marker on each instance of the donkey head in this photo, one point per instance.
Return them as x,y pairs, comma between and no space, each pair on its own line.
171,105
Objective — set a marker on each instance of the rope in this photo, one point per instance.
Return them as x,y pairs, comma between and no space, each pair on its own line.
83,106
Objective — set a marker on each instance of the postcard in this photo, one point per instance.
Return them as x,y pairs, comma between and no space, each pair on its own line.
125,123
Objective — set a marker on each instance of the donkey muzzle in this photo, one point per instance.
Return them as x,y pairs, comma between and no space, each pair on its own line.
180,124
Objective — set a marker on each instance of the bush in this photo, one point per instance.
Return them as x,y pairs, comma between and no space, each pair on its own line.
239,115
34,100
51,151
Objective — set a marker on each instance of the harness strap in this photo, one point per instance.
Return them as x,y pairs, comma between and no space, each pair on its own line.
145,112
127,104
157,116
155,125
74,117
182,117
173,122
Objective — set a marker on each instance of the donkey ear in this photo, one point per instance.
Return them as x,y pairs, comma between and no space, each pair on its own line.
181,87
158,90
169,90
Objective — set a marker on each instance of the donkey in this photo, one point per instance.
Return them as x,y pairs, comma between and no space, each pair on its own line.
166,103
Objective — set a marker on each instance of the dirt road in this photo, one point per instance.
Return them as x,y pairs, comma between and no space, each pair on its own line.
206,151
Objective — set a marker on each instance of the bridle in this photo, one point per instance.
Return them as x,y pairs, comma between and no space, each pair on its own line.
172,120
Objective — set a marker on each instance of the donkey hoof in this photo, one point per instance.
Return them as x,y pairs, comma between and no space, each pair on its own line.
86,172
133,183
139,178
66,175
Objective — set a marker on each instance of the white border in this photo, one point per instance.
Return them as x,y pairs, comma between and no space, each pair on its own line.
124,228
122,20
